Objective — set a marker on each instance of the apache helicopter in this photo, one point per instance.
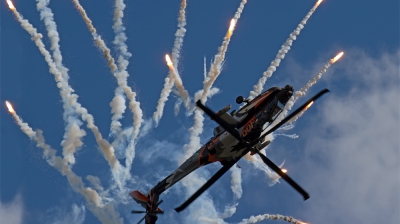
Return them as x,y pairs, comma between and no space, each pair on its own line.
238,133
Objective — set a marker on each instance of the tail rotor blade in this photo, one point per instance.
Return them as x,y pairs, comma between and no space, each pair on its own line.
141,220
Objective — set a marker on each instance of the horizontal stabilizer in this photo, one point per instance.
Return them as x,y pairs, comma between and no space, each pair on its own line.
142,199
139,197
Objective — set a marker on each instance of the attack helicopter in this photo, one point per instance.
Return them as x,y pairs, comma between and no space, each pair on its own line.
238,133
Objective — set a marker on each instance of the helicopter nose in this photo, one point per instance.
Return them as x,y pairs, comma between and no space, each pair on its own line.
289,88
285,94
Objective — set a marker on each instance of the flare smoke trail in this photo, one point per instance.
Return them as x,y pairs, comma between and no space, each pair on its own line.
215,70
236,182
106,148
170,79
182,92
259,218
302,92
205,68
105,213
121,76
73,133
118,103
257,89
216,66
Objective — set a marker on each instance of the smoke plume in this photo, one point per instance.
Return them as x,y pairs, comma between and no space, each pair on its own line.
105,147
257,89
172,78
259,218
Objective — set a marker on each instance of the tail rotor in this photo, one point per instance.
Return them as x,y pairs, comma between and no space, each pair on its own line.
151,216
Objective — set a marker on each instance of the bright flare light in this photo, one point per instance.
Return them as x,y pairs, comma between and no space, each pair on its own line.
168,59
337,57
11,6
284,170
309,105
10,108
231,27
319,2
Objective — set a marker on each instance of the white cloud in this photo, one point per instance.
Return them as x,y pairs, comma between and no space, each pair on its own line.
62,216
13,212
352,159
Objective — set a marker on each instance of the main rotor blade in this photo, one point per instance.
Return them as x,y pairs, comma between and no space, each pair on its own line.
302,107
208,184
284,176
220,121
137,212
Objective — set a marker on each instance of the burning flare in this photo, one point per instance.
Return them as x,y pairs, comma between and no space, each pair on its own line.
284,170
309,105
231,27
168,59
10,108
319,2
337,57
11,6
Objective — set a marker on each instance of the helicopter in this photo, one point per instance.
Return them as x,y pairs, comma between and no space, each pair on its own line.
238,133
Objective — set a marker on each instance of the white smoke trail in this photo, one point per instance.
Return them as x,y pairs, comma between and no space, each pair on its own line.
168,84
219,58
121,75
177,107
194,139
293,136
236,182
118,103
302,92
72,141
197,129
182,92
170,80
105,147
259,218
105,213
117,110
73,133
257,89
229,211
205,68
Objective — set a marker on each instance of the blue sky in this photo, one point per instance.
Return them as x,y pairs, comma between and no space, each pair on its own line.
347,153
